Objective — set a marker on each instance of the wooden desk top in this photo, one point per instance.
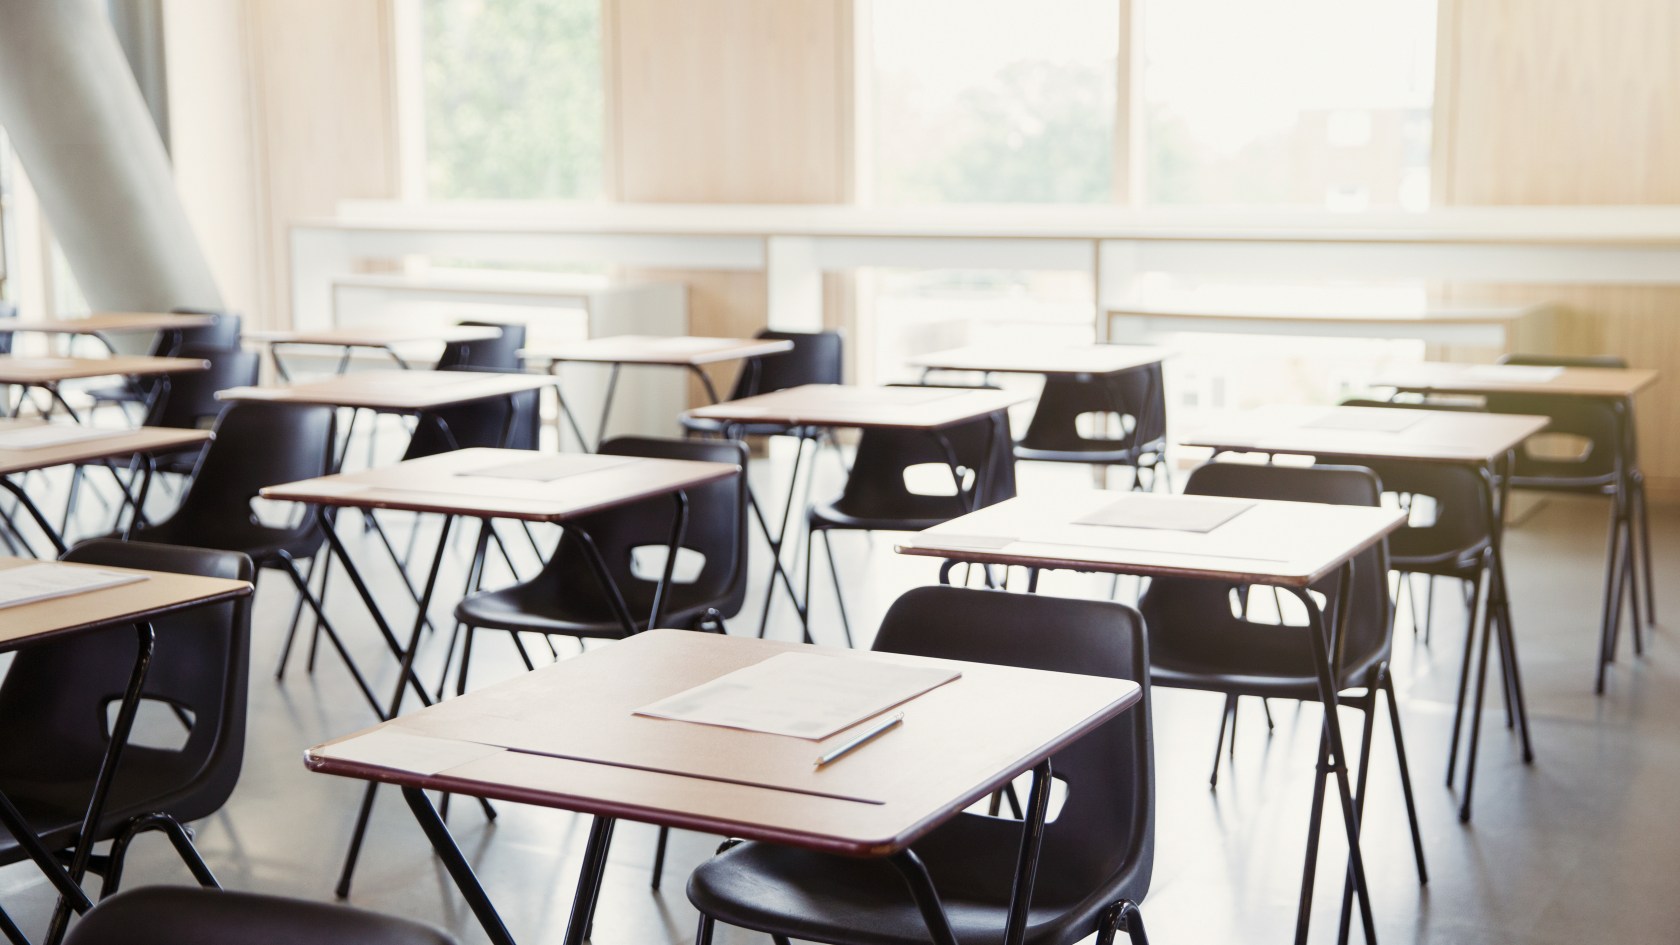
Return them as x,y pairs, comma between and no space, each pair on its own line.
394,390
99,444
839,405
377,336
447,484
679,350
565,736
1433,436
1439,377
161,593
1072,359
1290,544
38,371
109,323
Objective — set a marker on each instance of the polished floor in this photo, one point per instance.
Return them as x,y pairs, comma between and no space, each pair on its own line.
1583,846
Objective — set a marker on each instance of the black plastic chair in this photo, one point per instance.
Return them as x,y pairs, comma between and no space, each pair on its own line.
1098,852
191,402
496,354
511,422
1608,466
566,599
816,358
1200,638
164,915
877,498
1131,412
222,334
258,445
55,698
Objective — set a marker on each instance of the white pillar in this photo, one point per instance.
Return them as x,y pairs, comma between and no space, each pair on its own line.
74,114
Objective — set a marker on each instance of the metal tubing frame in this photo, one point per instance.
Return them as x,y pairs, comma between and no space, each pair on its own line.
87,835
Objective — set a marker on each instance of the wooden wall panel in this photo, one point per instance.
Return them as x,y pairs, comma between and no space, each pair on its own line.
1573,102
302,92
729,101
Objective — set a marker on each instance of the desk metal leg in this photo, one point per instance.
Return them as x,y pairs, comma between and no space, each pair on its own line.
35,513
1333,755
777,541
459,869
146,641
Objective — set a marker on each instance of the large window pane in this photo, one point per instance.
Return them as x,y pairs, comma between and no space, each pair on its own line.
993,101
513,101
1310,103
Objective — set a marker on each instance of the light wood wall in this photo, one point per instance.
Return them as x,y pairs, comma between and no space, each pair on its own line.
282,109
1573,102
729,101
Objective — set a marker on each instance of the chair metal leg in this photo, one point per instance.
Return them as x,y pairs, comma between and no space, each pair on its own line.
1642,516
292,571
703,934
839,598
1219,743
1470,633
1405,774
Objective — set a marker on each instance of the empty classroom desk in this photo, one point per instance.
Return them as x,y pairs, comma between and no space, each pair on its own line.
568,736
690,352
112,597
1287,545
1481,442
813,407
485,485
29,445
48,373
386,339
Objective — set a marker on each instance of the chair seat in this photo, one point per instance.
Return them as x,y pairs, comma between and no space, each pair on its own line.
1463,564
531,607
807,895
1282,682
1130,456
1588,485
115,392
166,915
829,515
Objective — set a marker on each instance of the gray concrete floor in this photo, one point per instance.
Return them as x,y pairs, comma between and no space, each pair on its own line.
1583,846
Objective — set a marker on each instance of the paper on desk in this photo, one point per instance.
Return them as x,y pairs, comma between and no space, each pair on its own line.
549,468
806,695
1524,373
47,434
49,579
895,396
1166,512
1369,419
683,344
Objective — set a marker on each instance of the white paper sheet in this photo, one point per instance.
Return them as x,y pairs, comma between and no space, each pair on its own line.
686,344
805,695
1166,513
549,468
47,434
49,579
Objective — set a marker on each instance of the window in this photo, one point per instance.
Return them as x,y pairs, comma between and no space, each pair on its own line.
511,99
992,101
1307,103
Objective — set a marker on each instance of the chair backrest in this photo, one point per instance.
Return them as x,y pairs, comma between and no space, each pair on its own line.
876,486
1460,497
190,401
1101,845
495,354
1566,360
816,358
1137,398
478,424
717,529
256,445
1196,618
57,694
222,334
1600,427
8,310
